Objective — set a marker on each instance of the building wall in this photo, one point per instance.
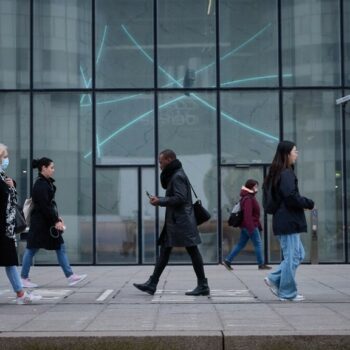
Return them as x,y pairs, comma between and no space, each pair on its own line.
101,86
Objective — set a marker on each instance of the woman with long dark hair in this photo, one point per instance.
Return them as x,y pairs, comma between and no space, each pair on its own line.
288,220
8,243
46,226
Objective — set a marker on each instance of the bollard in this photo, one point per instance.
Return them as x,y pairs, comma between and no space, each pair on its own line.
314,239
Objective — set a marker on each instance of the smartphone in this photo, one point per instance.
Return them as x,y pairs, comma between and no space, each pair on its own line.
148,195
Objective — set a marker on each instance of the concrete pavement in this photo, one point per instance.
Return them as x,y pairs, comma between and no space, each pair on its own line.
106,311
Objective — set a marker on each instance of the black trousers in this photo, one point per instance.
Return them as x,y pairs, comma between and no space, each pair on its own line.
162,262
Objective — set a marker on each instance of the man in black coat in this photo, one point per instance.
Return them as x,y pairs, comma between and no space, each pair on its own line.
180,228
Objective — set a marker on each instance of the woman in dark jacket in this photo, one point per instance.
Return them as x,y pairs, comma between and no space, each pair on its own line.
288,220
46,227
8,244
250,226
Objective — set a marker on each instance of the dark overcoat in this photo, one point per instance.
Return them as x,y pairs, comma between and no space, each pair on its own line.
180,228
44,216
8,253
290,217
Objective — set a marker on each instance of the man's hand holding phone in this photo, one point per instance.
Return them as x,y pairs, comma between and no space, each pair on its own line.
152,199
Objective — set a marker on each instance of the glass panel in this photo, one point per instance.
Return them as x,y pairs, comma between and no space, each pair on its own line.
313,122
124,43
248,43
346,22
62,132
249,126
14,133
148,217
232,179
347,145
116,216
62,43
14,44
186,43
125,128
187,124
310,42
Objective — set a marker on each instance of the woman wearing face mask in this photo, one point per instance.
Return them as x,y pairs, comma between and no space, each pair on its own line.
250,226
46,227
8,252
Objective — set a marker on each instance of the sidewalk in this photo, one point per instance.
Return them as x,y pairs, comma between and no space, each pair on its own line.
106,311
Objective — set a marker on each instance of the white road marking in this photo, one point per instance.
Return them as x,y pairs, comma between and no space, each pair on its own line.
105,295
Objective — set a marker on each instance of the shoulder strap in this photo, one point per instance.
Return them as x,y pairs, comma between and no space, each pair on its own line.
193,189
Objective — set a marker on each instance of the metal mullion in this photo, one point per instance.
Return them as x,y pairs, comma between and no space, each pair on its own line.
31,97
139,217
93,97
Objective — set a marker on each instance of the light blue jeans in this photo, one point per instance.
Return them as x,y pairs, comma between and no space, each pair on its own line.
13,276
62,259
284,276
243,240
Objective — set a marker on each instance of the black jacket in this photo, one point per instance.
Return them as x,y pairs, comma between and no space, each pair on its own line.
290,217
180,228
8,253
44,216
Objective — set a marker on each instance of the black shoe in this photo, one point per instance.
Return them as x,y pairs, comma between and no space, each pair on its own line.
227,264
149,287
201,289
264,267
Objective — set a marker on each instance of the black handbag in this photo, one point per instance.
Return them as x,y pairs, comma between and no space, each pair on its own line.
201,214
21,224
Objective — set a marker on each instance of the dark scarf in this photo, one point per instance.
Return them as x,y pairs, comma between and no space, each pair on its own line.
169,171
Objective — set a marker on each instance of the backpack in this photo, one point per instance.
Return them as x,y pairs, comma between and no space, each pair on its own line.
236,216
271,200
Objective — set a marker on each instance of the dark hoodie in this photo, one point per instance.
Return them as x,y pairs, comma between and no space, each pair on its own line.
251,210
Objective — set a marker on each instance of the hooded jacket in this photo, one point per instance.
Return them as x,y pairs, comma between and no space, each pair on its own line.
251,210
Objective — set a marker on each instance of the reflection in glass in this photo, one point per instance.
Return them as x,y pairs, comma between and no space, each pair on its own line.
249,127
187,124
347,152
125,129
148,217
62,44
313,123
62,132
14,44
310,42
14,133
124,44
232,179
186,43
248,43
116,216
346,22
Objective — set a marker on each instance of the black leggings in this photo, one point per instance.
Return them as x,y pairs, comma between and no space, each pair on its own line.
196,257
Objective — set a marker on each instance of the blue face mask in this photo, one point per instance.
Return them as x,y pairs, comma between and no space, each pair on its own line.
5,163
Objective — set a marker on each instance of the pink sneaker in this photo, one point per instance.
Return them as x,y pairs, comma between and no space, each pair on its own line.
74,279
27,298
26,282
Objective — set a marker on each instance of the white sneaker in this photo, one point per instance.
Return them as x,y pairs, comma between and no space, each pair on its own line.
74,279
299,297
27,298
26,282
272,286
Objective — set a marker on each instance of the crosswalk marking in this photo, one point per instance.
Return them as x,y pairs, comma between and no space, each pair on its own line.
105,295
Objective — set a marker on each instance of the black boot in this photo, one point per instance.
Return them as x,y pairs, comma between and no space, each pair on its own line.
201,289
149,287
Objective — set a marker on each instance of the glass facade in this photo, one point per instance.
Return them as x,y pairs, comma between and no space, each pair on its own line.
101,86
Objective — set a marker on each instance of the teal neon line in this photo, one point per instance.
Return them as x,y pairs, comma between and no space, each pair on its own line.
86,85
102,44
98,146
246,126
234,82
118,99
132,122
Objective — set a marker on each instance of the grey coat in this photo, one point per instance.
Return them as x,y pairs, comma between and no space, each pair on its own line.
180,228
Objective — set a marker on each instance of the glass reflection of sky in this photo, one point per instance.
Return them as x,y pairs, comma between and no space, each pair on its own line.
178,84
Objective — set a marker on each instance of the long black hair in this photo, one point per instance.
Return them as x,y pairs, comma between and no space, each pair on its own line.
39,163
280,162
